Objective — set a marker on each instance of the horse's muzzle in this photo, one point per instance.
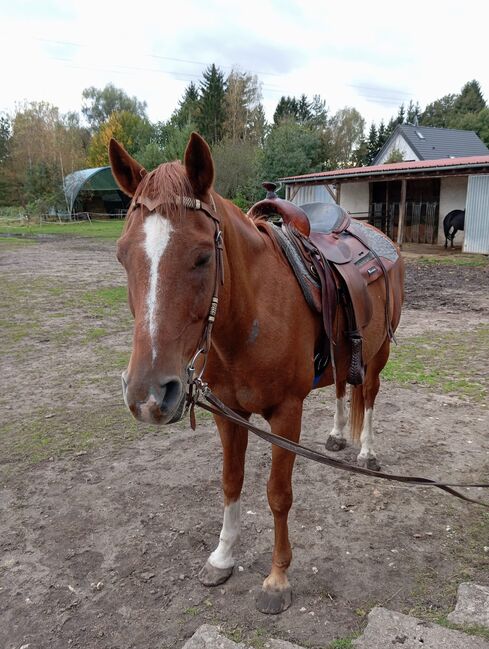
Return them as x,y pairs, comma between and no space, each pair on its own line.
163,403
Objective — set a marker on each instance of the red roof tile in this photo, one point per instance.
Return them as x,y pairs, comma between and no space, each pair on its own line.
468,161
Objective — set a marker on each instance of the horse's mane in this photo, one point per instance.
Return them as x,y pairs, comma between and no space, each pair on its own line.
166,186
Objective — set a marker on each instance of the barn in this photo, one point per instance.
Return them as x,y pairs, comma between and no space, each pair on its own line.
418,176
96,192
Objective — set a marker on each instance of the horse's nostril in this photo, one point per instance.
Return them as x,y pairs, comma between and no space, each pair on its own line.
171,394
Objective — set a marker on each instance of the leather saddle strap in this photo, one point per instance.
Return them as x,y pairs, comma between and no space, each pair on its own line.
388,323
217,407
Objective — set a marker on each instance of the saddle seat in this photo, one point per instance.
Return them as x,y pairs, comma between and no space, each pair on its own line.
344,261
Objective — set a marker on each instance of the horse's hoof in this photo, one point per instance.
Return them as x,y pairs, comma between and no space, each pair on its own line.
212,576
335,443
368,463
273,602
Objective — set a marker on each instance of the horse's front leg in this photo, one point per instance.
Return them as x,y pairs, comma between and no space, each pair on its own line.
220,564
276,594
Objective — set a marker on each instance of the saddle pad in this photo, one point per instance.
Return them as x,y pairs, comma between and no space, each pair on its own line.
375,240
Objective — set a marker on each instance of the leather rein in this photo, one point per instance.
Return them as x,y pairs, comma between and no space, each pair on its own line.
200,394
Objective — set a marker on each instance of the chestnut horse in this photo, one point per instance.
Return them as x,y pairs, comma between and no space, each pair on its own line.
263,340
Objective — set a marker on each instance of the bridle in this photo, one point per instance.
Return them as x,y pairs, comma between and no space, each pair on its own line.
197,390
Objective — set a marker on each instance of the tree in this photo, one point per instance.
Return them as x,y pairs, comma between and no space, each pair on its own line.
243,107
5,134
318,113
304,113
237,169
132,131
287,109
44,146
290,149
470,99
346,129
188,107
99,104
210,120
478,122
439,113
413,115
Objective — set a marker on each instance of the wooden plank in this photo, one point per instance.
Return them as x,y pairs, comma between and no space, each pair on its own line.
294,190
402,213
330,191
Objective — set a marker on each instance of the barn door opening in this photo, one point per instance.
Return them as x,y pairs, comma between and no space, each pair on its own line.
422,209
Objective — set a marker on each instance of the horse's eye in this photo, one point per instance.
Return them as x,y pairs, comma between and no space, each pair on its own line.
202,260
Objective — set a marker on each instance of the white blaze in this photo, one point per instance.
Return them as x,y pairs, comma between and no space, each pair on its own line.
222,557
157,229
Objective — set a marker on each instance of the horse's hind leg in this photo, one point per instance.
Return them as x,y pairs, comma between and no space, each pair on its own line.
276,594
362,408
336,440
220,564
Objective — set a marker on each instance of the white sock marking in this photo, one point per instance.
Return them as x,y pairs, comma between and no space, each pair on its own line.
340,419
222,557
157,229
367,435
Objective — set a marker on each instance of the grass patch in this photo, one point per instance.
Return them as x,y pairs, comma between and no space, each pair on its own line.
92,335
105,297
110,229
434,598
439,361
57,432
7,243
470,629
344,643
474,261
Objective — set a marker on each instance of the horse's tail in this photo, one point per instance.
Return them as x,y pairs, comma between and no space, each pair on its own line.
447,224
357,409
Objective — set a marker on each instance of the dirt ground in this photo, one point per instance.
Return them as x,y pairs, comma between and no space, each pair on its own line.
104,524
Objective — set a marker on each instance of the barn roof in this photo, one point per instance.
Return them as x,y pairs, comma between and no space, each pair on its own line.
96,179
447,166
431,143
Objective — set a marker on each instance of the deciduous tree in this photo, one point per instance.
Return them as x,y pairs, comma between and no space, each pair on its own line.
98,104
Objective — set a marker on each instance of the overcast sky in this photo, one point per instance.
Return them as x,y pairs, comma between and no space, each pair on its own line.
370,55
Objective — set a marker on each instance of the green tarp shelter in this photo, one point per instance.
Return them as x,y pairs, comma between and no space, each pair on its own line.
83,188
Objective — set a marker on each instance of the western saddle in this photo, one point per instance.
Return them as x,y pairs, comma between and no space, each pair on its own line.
334,259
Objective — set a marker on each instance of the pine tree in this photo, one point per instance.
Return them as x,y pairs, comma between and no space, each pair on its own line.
413,115
210,120
372,144
319,113
287,109
470,99
188,107
304,113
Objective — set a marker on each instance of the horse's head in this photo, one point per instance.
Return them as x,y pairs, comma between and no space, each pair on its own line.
168,251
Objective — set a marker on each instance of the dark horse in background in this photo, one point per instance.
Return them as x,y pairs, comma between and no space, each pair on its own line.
452,223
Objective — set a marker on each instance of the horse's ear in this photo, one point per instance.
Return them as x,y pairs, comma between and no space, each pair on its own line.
126,171
199,165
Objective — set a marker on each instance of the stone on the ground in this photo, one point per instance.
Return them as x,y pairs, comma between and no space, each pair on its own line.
388,629
209,637
472,605
281,644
